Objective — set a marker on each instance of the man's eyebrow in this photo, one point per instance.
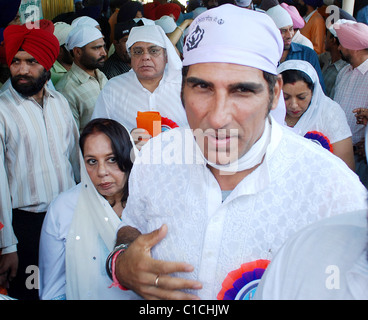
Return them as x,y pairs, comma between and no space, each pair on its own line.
28,60
249,86
195,80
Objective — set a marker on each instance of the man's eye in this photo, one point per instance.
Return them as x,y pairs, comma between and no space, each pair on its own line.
138,52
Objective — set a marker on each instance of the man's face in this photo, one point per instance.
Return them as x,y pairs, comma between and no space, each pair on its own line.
228,103
329,41
65,56
148,60
120,49
302,7
28,77
287,34
93,54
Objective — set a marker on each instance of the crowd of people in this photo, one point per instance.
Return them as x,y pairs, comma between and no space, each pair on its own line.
153,151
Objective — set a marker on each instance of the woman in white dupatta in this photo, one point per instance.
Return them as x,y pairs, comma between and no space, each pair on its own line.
80,226
310,113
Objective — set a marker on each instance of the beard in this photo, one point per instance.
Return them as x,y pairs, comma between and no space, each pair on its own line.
33,85
92,63
345,58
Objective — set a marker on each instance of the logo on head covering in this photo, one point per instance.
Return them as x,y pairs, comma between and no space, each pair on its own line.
195,38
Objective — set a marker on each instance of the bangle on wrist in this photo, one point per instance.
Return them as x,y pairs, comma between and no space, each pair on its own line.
117,250
115,282
181,29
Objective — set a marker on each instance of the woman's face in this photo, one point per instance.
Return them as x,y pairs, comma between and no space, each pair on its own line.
102,166
297,97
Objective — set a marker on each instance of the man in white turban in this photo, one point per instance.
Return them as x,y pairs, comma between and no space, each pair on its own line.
220,199
153,83
292,50
84,81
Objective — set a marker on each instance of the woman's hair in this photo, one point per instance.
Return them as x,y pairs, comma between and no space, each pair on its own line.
120,143
292,76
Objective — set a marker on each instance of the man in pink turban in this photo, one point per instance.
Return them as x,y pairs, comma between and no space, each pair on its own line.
351,85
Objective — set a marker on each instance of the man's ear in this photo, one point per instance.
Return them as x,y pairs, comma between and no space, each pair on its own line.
77,52
277,91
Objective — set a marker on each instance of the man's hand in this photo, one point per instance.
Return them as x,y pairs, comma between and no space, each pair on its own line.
140,137
138,271
361,115
8,268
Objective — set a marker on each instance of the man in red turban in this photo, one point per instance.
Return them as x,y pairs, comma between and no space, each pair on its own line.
30,44
41,158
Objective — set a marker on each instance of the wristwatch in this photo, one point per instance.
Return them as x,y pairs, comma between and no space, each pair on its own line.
120,248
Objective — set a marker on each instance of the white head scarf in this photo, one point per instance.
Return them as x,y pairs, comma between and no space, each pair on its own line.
156,35
167,23
61,31
312,114
230,34
280,16
84,20
80,36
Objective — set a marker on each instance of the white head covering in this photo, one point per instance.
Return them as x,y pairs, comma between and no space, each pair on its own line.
312,114
145,21
156,35
243,3
82,35
84,20
234,35
61,31
167,23
280,16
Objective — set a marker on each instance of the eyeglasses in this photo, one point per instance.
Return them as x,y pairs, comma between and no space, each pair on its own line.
152,51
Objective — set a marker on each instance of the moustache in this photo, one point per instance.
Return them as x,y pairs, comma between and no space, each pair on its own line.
19,77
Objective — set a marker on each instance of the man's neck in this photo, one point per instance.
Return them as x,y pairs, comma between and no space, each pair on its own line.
92,72
309,10
150,84
228,181
67,66
358,60
284,55
38,97
335,55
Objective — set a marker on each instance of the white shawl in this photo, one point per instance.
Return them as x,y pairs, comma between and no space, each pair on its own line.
94,225
94,220
312,114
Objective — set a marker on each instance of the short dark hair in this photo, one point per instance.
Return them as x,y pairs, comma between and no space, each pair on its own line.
121,144
292,76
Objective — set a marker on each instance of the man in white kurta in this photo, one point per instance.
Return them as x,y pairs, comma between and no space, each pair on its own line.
125,95
297,183
284,181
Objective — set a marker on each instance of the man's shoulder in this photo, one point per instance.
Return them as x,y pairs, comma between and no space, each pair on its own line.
303,152
304,49
122,82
